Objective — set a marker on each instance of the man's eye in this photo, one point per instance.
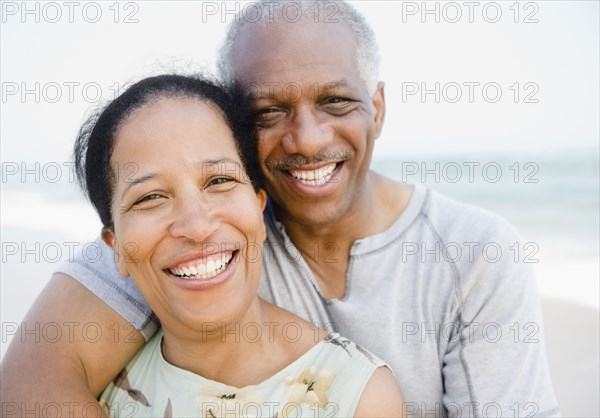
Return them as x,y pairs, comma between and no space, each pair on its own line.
336,100
267,114
338,106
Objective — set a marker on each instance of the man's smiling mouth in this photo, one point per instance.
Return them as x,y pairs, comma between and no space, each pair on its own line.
315,171
314,177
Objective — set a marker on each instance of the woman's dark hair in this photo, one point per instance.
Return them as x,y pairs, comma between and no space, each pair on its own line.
95,141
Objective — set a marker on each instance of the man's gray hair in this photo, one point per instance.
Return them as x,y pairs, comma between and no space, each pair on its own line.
262,12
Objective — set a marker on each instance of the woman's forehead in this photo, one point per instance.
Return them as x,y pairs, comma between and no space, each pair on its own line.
175,109
172,126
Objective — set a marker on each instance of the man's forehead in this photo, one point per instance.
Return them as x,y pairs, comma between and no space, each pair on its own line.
288,33
287,52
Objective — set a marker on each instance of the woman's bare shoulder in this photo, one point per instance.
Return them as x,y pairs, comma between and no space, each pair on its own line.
382,397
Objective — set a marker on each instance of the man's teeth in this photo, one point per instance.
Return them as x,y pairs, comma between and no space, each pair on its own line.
204,270
314,177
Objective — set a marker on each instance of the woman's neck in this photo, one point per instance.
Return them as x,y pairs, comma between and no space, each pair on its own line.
244,352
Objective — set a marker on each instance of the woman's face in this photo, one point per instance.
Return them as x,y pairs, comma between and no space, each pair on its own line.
188,224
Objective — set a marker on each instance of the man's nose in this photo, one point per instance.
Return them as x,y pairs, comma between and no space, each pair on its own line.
195,219
307,135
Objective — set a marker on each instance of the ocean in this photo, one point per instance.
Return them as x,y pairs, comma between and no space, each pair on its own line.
552,200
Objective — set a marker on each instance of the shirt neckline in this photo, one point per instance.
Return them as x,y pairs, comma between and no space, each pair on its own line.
289,370
372,242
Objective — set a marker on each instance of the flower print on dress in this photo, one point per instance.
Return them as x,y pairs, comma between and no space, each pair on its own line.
122,381
365,353
105,407
338,340
310,387
215,402
168,410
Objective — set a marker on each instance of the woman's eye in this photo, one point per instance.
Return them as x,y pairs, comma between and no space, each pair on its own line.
220,180
148,198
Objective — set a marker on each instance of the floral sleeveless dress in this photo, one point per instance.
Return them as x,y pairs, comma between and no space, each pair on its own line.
326,381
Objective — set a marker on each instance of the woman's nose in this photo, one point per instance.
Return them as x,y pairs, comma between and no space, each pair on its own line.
194,219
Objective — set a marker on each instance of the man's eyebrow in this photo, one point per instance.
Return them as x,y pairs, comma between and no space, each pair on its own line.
329,87
253,97
332,87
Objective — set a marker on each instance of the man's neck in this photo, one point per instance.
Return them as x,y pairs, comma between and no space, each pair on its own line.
326,248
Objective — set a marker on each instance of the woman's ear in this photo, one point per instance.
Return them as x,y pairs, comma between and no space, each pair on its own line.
261,195
262,199
108,236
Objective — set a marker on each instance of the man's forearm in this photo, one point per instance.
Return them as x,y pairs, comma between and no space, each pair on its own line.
63,374
40,386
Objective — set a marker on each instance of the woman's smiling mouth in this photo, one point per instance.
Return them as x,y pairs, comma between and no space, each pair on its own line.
203,268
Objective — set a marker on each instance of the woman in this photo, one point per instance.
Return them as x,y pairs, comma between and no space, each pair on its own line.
169,167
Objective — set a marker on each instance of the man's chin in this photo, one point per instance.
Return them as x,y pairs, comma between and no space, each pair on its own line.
310,214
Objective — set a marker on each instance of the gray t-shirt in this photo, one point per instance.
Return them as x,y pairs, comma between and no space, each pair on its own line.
446,296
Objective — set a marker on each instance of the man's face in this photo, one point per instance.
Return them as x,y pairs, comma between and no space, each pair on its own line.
317,121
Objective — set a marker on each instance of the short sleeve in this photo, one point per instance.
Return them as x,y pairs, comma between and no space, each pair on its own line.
496,362
95,268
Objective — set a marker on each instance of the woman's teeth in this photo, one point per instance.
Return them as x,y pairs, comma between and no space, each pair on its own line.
315,177
205,270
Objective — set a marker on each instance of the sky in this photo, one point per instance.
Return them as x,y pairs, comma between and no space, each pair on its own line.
487,79
461,77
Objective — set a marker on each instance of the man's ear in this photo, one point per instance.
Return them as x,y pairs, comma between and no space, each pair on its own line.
379,105
108,236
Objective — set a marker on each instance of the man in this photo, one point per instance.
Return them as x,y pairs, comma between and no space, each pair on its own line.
347,248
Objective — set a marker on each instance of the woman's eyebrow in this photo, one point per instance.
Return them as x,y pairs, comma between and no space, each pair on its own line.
213,164
131,182
221,165
219,161
225,162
